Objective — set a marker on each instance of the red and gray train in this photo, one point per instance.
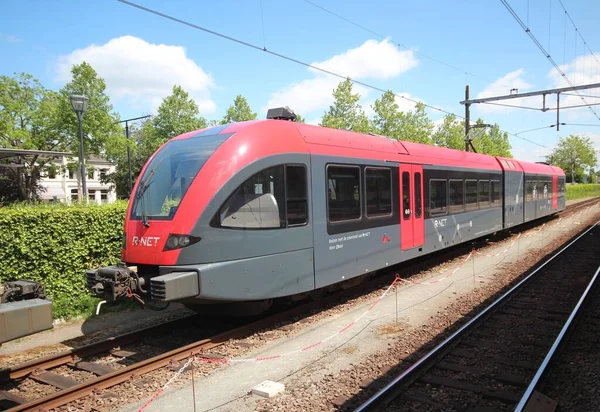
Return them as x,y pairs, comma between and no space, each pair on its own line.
266,209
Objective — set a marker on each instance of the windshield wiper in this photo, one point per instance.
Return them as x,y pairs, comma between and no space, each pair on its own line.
144,184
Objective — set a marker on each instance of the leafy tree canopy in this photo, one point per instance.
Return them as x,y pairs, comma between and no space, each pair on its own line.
574,154
346,113
177,114
239,111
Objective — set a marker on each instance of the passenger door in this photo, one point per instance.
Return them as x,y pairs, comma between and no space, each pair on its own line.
554,192
412,232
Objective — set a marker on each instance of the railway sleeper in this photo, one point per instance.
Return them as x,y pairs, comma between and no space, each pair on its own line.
488,393
510,379
53,379
501,360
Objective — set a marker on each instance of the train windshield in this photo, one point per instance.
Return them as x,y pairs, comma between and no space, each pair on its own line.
170,174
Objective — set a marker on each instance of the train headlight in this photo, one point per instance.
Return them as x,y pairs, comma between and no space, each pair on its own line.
180,241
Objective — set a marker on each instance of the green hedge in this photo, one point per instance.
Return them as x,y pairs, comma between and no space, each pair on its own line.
579,191
56,244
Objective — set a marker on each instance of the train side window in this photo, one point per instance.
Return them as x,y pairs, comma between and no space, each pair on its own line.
378,187
471,194
535,189
496,192
406,195
529,190
258,203
343,200
457,198
438,196
484,194
418,206
561,186
296,198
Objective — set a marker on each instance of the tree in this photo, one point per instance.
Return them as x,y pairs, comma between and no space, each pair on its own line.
239,111
177,114
450,134
345,113
28,120
386,121
99,121
493,142
300,119
389,121
574,154
415,126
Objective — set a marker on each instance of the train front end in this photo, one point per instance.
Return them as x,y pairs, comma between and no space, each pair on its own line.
218,216
163,210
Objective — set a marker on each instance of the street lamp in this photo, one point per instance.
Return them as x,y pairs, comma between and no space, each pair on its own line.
79,104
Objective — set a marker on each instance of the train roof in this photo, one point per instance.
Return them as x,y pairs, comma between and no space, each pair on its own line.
335,142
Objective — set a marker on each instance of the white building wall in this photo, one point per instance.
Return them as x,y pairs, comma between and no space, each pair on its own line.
64,186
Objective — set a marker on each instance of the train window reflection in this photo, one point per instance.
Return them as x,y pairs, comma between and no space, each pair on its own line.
378,191
457,201
343,200
495,192
295,180
437,196
484,193
258,203
471,194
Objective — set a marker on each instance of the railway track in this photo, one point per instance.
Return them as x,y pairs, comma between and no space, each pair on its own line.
495,361
76,373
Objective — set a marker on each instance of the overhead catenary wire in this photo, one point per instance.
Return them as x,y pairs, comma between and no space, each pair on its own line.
294,60
548,56
578,31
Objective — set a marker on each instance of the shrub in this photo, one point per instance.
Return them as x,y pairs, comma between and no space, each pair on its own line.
55,244
578,191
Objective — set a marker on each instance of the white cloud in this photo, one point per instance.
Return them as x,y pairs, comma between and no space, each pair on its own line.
141,72
582,70
503,86
371,60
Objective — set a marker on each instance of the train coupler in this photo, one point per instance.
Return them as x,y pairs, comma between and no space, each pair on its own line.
114,282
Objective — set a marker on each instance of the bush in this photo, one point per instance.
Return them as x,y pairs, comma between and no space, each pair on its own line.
579,191
55,244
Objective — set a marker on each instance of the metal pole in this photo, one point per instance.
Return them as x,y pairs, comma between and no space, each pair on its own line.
128,157
557,111
81,162
467,118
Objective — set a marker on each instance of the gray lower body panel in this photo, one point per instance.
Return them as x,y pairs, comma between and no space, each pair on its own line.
257,278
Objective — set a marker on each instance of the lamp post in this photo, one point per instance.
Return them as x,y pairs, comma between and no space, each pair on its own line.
79,104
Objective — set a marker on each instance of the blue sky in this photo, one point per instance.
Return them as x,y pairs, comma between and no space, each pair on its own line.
141,56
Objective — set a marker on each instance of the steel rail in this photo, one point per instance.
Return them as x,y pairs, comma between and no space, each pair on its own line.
135,370
72,355
554,349
385,393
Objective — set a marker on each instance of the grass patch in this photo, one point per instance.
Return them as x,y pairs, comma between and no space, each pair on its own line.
579,191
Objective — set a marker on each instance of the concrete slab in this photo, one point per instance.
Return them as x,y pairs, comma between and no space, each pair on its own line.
226,389
268,389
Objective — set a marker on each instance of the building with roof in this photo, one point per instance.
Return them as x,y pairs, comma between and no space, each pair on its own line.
63,183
